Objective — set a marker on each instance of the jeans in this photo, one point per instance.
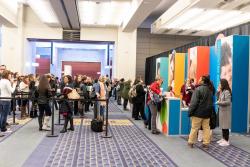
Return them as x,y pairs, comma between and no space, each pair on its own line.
4,110
153,109
102,110
196,124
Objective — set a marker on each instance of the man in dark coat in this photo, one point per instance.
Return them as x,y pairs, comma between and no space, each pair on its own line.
200,111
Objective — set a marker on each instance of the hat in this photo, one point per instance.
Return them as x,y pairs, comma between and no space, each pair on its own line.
67,90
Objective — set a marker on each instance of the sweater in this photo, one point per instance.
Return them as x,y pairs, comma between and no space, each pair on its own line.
6,89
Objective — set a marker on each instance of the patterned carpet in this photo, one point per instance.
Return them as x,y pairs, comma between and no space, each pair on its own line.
230,156
13,128
128,147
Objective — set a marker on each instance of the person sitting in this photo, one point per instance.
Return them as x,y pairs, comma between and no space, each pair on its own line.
66,109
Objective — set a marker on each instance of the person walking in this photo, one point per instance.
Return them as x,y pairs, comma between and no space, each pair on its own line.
224,103
200,110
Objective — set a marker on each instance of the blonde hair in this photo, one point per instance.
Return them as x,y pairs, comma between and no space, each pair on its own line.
102,79
158,77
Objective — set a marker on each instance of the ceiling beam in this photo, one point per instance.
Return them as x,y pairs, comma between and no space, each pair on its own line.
59,9
141,9
71,7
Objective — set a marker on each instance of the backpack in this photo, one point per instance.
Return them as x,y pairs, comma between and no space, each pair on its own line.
132,92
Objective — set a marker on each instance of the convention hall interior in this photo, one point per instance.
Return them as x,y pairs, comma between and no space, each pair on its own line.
124,83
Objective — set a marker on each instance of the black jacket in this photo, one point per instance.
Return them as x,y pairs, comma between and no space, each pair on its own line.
201,105
43,96
140,94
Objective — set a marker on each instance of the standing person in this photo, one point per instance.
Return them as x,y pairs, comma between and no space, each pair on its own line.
66,82
94,94
102,96
139,100
154,88
66,110
119,89
24,88
6,88
2,69
76,85
43,92
224,103
127,86
32,88
200,111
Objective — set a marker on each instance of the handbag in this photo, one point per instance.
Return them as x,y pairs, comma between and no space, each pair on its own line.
73,95
213,120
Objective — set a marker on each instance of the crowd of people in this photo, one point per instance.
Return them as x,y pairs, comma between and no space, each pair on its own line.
197,97
34,92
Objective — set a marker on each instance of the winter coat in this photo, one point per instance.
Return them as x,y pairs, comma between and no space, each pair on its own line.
127,86
119,91
225,108
140,94
66,107
43,96
201,104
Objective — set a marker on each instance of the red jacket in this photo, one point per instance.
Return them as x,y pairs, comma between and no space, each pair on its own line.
154,87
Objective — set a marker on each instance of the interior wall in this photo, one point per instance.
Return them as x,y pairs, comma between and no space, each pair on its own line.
124,52
152,44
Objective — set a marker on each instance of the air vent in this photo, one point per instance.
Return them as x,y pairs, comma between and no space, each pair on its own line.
71,35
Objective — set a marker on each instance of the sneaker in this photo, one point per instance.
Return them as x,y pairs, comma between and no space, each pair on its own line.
200,136
224,143
220,141
1,135
205,146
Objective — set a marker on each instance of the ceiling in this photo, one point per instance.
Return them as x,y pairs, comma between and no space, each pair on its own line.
176,17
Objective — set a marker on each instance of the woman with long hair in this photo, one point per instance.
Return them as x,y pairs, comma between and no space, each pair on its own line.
43,93
224,103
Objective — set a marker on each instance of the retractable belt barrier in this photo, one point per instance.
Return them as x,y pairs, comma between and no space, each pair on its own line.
19,96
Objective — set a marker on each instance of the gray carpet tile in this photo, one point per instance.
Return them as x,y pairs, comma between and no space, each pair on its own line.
231,156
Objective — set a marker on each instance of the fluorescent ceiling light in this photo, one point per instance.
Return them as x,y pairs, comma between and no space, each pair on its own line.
186,17
197,19
104,13
44,11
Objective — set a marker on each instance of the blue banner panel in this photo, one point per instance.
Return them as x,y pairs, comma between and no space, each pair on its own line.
174,117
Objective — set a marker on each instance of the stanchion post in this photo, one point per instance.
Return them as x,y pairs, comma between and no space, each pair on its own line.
107,115
52,121
14,112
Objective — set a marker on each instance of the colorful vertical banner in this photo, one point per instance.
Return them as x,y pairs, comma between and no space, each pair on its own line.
179,73
171,70
198,62
164,72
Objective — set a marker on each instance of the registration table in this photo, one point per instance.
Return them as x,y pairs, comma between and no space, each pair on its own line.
172,119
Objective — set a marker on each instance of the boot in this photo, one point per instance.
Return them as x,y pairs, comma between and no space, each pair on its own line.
71,124
35,113
23,114
32,114
64,130
46,123
40,123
